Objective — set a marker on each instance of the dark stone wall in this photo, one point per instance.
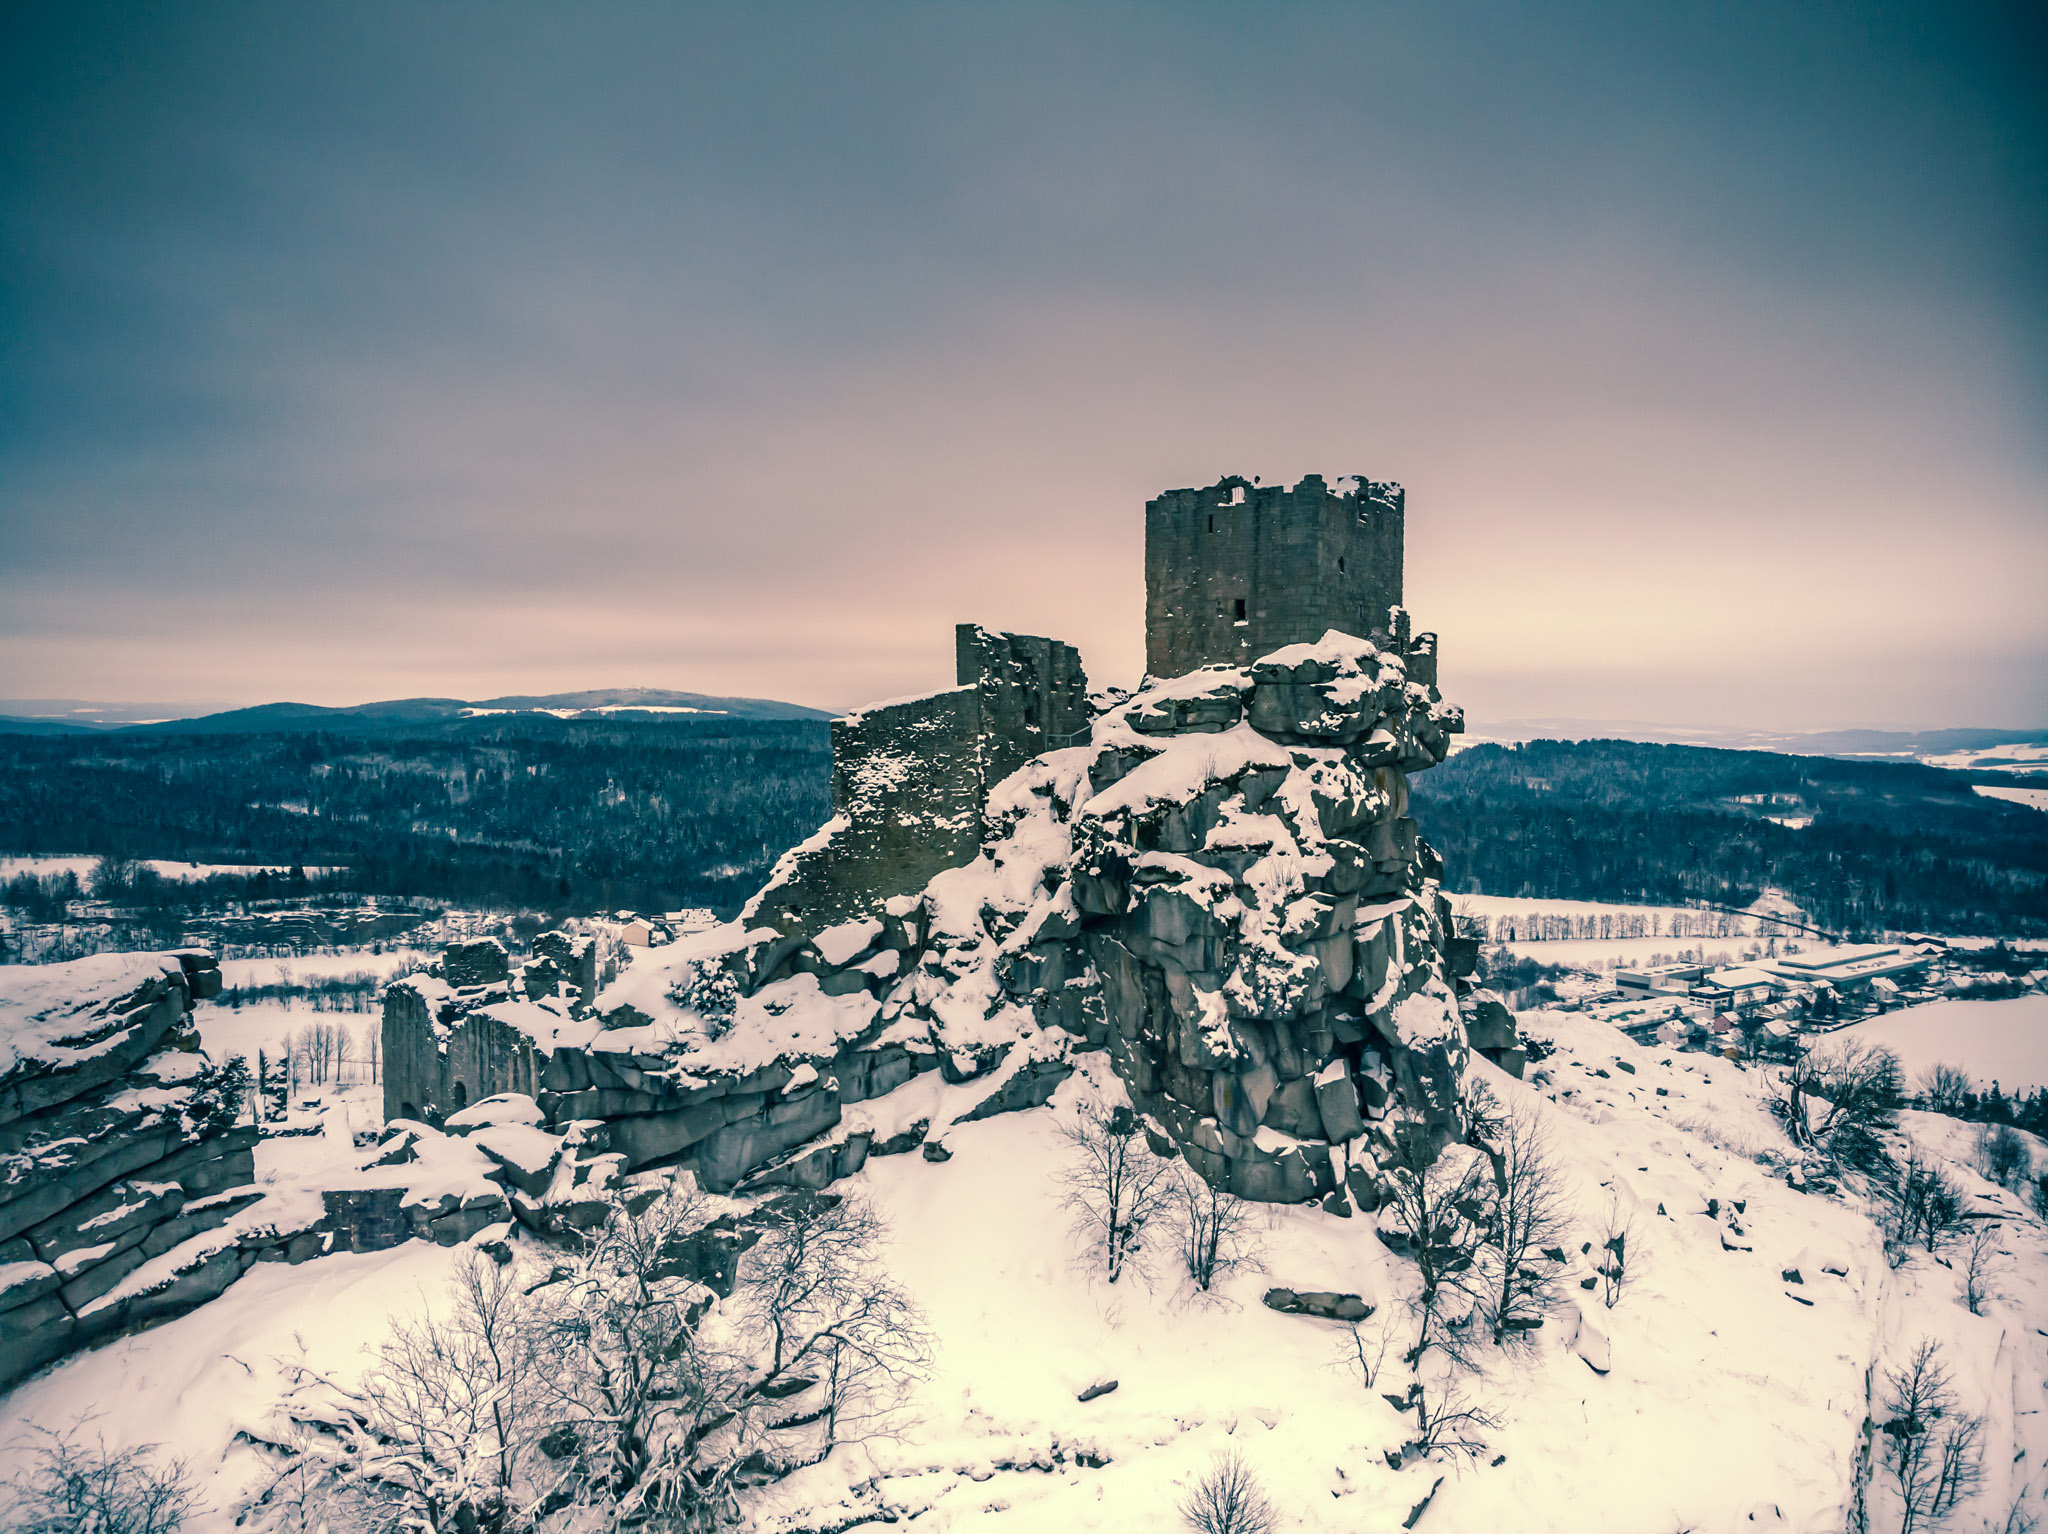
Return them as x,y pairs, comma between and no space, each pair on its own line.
911,780
1300,562
430,1071
906,777
1031,694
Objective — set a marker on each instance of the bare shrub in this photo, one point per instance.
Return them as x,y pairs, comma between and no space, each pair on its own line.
1931,1444
63,1484
1450,1420
617,1391
1114,1187
1981,1263
1944,1089
1214,1227
1529,1213
1228,1500
1621,1252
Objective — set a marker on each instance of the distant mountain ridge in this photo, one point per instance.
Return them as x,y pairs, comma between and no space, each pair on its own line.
263,718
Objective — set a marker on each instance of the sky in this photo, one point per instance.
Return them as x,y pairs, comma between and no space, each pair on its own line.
433,349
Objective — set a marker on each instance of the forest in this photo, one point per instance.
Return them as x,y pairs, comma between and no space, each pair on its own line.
534,813
1861,846
554,815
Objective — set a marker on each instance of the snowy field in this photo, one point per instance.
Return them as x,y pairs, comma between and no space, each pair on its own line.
2032,798
229,1031
44,867
2003,1041
301,968
1733,1401
1596,953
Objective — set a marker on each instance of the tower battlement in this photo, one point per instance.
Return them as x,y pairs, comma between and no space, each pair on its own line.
1237,569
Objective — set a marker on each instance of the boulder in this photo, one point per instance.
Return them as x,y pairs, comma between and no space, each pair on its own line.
1321,1303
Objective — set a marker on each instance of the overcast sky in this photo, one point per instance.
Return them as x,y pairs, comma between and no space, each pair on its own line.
353,351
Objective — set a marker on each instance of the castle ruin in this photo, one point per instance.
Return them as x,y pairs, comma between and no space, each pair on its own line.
1239,569
1215,880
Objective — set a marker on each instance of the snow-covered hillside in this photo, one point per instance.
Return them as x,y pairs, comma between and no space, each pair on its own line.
1733,1396
2004,1041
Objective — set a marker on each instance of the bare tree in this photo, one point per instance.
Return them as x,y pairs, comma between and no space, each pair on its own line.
442,1430
1440,1208
1924,1205
373,1051
1529,1213
2002,1155
1114,1186
1228,1500
618,1391
61,1484
1838,1098
1944,1089
812,1287
675,1404
1213,1225
1981,1264
1931,1443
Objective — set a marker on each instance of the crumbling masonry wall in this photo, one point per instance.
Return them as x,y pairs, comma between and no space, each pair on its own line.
1237,570
910,781
1031,696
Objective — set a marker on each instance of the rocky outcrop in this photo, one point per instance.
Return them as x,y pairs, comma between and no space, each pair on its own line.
125,1179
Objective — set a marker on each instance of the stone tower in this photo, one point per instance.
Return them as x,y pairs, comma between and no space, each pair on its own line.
1237,570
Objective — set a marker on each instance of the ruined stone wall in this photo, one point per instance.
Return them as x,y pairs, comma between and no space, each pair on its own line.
909,784
906,803
443,1051
1031,696
1237,570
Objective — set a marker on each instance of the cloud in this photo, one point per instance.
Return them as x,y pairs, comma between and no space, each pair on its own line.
471,350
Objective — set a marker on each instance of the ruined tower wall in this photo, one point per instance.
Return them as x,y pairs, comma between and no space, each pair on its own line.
1031,695
910,780
1237,570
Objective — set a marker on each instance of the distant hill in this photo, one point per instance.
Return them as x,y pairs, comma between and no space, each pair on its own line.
70,716
1969,749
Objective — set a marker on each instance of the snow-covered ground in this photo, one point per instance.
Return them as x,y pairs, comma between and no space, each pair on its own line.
301,968
1595,953
229,1031
44,867
2032,798
1734,1400
2003,1041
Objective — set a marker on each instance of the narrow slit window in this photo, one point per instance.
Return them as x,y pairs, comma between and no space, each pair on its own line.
1212,521
1340,564
1240,609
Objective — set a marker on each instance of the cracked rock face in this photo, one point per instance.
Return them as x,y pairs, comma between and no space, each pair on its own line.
1264,921
1224,889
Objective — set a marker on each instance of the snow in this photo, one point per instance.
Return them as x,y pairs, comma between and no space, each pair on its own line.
45,866
838,945
192,1383
2032,798
1176,775
1728,1403
48,1012
2004,1041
